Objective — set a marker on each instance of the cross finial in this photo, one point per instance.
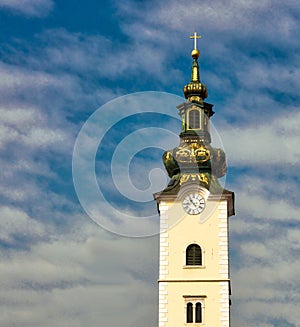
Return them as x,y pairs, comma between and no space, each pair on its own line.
195,37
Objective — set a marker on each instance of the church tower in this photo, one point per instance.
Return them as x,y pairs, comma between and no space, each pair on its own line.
194,279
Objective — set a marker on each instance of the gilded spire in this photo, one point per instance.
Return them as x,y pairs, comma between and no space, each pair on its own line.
195,160
195,91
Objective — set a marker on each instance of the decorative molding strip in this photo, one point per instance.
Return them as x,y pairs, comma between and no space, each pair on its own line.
227,280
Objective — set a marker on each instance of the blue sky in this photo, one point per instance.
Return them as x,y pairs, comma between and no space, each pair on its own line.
60,61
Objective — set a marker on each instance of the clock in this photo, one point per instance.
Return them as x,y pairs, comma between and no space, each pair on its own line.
193,204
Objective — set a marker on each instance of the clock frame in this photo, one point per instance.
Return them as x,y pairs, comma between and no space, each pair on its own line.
193,204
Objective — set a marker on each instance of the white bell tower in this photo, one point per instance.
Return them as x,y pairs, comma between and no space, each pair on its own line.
194,278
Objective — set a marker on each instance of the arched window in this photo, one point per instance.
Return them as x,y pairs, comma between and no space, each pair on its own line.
198,312
189,312
194,119
193,255
194,310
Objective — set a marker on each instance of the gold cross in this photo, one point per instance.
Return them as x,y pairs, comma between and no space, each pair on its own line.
195,37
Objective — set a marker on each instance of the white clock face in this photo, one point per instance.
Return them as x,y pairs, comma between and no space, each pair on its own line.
193,204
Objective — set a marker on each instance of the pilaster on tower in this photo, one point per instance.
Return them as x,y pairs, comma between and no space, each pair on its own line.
194,279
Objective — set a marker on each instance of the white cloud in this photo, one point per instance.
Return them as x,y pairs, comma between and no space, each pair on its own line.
267,283
44,137
28,126
32,120
35,8
16,222
20,190
266,267
19,116
17,80
220,16
63,56
264,209
81,278
92,54
86,305
234,32
274,142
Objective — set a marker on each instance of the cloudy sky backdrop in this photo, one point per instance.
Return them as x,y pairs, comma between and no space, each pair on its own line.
62,60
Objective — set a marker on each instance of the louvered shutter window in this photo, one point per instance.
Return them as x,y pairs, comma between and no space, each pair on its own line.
194,119
193,255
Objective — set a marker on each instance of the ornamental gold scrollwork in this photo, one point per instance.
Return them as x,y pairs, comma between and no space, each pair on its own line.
184,178
194,177
202,153
192,153
183,155
203,178
195,98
